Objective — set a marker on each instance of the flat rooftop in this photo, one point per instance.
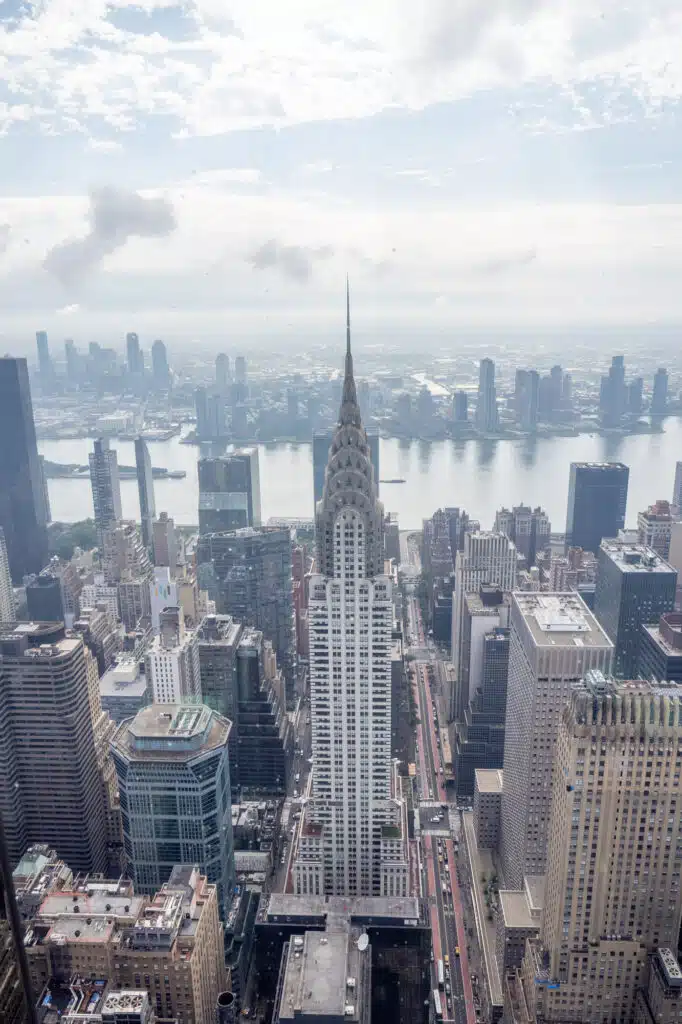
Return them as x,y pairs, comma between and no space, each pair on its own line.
560,620
316,976
87,929
80,905
535,892
515,910
489,780
170,731
403,910
635,558
124,679
663,642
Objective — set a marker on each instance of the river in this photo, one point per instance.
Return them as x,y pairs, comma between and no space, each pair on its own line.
479,476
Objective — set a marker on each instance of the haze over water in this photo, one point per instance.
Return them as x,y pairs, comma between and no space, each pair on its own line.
480,476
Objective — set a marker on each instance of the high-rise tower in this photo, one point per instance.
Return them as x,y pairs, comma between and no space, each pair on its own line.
351,841
145,489
23,515
106,487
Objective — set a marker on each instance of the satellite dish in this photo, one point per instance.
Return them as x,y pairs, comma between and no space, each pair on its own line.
363,942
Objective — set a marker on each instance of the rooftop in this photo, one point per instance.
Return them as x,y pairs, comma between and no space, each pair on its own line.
406,910
164,731
560,620
124,679
94,903
635,558
317,974
515,910
667,635
489,780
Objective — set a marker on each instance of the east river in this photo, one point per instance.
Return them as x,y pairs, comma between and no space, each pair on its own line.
479,476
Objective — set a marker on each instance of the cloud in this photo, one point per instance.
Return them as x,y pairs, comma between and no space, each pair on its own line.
510,261
456,28
115,216
5,232
104,145
74,307
293,261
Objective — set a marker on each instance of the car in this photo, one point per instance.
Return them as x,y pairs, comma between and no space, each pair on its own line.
297,777
447,989
456,950
431,956
446,958
441,769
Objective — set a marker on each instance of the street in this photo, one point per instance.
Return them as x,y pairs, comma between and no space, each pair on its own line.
437,846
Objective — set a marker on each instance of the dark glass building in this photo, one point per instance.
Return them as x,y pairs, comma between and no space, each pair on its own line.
660,651
229,492
479,738
44,599
237,683
248,573
145,490
597,496
23,516
635,586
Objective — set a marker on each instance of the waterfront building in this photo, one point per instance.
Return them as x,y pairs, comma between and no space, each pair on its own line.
597,497
106,487
487,417
145,489
659,397
160,368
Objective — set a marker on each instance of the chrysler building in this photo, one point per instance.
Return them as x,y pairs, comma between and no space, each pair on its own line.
353,838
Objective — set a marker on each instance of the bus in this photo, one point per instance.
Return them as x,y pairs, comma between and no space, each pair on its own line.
437,1005
440,970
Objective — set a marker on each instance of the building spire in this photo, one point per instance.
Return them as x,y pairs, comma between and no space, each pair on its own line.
348,351
350,410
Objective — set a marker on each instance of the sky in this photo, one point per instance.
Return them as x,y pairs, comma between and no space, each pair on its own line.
216,167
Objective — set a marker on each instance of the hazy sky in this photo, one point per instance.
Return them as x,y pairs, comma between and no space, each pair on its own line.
217,166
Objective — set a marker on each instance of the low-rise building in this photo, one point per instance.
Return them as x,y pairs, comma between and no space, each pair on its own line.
488,807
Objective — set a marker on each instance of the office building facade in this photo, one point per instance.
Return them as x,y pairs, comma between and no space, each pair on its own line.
165,543
479,737
7,609
612,893
654,527
17,1001
160,368
145,490
554,641
23,516
529,528
229,492
248,573
353,816
172,661
660,650
174,782
635,586
106,487
597,498
52,787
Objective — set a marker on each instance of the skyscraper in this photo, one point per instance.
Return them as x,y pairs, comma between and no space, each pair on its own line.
345,838
529,528
44,360
52,788
654,527
322,442
635,586
7,609
165,543
16,995
248,573
659,397
527,398
597,498
106,487
240,370
613,401
22,504
145,489
677,487
73,361
229,492
222,373
160,370
172,662
555,640
461,407
612,893
174,778
487,418
134,354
